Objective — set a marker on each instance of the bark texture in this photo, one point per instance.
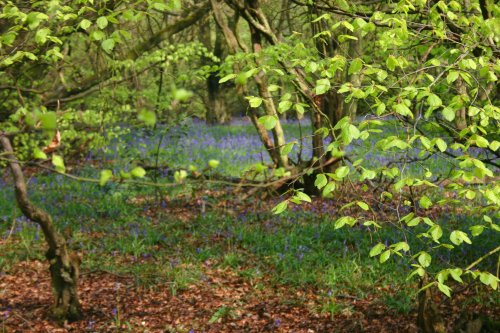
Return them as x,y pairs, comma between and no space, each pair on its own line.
428,319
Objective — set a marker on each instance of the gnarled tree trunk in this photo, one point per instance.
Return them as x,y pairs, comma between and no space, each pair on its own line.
64,266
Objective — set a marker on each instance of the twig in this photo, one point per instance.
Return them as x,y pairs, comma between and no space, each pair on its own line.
483,257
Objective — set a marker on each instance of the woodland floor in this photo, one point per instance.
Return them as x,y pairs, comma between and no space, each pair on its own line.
221,298
26,294
25,297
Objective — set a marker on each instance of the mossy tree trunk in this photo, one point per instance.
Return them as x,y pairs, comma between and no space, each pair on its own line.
64,265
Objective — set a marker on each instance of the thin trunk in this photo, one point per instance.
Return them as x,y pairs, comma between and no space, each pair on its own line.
355,51
262,85
461,114
428,318
64,266
233,46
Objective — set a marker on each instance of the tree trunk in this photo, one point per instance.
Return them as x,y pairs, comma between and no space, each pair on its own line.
461,114
428,319
64,266
233,46
355,51
262,85
217,110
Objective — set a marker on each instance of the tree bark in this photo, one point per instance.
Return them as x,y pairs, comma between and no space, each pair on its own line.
64,265
217,110
428,319
233,46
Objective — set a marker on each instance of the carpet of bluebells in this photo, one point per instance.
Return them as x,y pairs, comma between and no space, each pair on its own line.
237,147
301,246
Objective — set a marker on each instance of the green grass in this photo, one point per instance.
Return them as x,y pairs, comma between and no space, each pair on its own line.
298,248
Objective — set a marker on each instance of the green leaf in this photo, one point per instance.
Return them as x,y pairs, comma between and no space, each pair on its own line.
102,22
97,35
41,35
330,187
273,88
58,162
368,174
424,259
448,114
363,205
436,232
377,249
160,6
470,194
49,121
286,149
85,24
425,202
343,38
349,220
182,94
426,142
403,110
441,144
380,109
322,86
414,221
302,196
452,77
269,122
299,108
457,237
356,66
138,172
473,111
320,181
106,175
487,278
342,171
38,154
401,246
466,77
148,117
279,208
385,256
213,164
444,289
254,102
456,274
125,175
180,175
476,230
494,145
175,5
284,106
227,78
108,45
434,100
391,63
352,132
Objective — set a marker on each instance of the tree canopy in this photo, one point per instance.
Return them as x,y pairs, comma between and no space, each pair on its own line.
416,81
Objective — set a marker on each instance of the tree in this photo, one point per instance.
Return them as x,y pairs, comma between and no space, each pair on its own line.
357,69
429,68
58,55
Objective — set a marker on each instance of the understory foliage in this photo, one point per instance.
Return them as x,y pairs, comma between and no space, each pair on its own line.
416,81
